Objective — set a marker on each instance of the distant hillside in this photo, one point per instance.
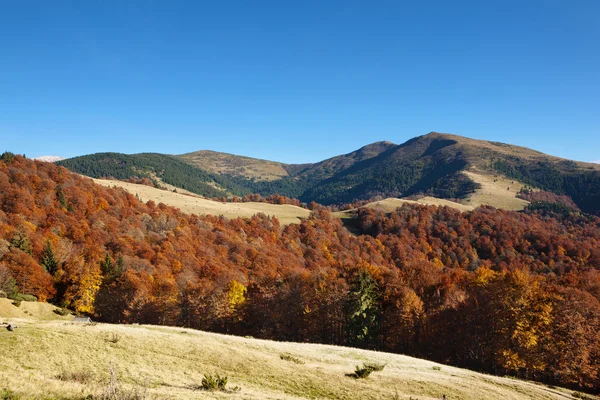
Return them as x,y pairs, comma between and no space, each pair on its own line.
168,168
285,213
432,165
229,164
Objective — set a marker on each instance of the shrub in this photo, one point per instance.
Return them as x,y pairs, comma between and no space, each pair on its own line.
289,357
437,368
213,383
19,297
375,367
62,311
366,370
2,295
114,338
582,396
6,394
27,297
17,303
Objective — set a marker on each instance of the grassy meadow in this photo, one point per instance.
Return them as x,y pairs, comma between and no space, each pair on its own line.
50,357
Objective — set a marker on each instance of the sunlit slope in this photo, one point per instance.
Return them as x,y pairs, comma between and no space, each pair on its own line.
286,214
223,163
27,309
494,190
431,165
46,360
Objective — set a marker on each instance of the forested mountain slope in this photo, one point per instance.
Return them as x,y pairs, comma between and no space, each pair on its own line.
504,292
432,165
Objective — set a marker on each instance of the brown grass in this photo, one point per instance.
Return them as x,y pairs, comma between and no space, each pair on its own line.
30,309
223,163
496,190
287,214
165,363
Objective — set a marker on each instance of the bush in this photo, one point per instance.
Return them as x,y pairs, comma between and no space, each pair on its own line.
17,303
213,383
289,357
437,368
62,312
22,297
114,338
6,394
582,396
27,297
366,370
2,295
375,367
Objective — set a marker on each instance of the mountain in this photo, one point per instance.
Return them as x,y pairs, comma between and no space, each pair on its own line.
432,164
49,158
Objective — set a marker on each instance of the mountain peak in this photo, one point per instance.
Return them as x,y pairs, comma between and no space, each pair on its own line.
49,158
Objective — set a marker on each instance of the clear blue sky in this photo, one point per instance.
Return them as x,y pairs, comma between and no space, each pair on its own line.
296,81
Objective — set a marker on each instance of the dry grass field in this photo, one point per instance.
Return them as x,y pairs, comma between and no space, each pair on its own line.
287,214
496,191
223,163
46,359
36,310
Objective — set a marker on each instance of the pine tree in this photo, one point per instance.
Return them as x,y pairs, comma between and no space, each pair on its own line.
107,266
48,260
363,311
60,195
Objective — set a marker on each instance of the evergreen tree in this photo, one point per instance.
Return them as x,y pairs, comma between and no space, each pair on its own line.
363,311
60,195
120,267
107,266
48,260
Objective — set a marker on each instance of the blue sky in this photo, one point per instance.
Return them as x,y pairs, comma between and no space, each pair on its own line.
297,81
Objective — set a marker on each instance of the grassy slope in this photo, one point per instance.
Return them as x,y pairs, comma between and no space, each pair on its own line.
286,214
223,163
39,311
170,362
490,193
494,190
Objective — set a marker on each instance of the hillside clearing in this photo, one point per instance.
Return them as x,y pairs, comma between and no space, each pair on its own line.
223,163
170,362
285,213
496,190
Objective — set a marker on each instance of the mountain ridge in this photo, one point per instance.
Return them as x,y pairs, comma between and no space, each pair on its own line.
430,165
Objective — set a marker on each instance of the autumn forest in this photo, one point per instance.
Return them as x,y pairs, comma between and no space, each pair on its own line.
509,293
